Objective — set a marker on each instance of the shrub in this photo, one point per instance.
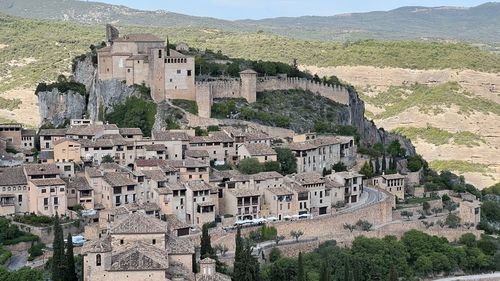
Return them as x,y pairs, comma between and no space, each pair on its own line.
188,105
134,113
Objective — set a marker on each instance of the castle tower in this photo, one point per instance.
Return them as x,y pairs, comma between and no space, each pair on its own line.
249,85
157,73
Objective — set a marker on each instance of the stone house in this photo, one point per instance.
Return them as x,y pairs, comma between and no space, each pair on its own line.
470,212
118,189
244,204
131,133
300,195
319,193
350,187
191,169
67,150
49,136
138,247
260,151
28,139
12,133
208,273
279,202
176,142
201,202
13,191
394,184
198,154
47,191
317,154
79,192
219,145
155,151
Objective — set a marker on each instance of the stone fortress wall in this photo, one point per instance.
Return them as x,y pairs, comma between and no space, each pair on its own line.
247,87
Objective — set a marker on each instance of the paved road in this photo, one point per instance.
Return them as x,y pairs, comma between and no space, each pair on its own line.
491,276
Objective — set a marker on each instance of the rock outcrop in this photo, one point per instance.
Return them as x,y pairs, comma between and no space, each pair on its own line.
101,96
56,107
369,133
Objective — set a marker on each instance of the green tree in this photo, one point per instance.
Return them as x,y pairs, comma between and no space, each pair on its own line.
325,274
58,264
136,113
395,149
287,160
339,167
296,234
452,221
272,166
70,260
107,159
301,275
384,163
250,166
246,267
274,255
367,169
206,249
415,163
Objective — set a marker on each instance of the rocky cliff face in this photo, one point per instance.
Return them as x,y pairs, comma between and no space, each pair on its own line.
56,107
369,132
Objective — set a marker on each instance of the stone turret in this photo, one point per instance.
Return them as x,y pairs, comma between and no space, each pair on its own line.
249,85
111,33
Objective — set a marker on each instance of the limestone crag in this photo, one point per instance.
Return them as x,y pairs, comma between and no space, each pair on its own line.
56,107
104,95
369,133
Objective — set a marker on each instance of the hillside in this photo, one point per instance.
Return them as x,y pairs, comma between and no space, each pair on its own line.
476,24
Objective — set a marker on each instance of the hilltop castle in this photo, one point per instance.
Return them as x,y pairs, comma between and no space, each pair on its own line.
144,58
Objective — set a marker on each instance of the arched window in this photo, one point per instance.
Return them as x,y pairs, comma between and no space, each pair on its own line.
98,260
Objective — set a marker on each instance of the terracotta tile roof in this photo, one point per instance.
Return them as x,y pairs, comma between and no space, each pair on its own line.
130,131
319,142
198,185
102,245
187,163
53,132
97,143
348,174
140,256
174,223
280,191
257,136
28,133
155,147
64,140
176,186
393,176
179,246
134,207
48,182
196,153
156,175
213,137
243,192
12,176
259,149
93,172
138,223
139,37
309,178
266,175
41,169
170,136
118,179
78,183
162,164
292,185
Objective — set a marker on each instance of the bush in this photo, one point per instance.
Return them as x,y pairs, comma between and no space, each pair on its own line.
274,255
134,113
452,221
250,166
188,105
63,86
36,250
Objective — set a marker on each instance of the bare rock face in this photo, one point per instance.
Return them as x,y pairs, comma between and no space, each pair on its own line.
104,95
56,107
368,131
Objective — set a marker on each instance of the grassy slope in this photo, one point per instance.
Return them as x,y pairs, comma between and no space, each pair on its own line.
52,45
430,100
439,136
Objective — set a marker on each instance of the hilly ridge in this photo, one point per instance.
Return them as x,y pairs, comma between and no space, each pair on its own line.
475,24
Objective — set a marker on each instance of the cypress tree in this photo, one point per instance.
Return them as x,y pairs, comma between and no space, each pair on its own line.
168,47
246,267
58,264
377,166
384,163
70,261
324,272
206,246
300,271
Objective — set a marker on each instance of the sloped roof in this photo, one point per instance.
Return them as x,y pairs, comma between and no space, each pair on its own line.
130,131
138,257
309,178
155,147
188,162
138,223
78,183
156,175
41,169
259,149
196,153
102,245
47,182
12,176
179,246
266,175
53,132
198,185
170,136
118,179
213,137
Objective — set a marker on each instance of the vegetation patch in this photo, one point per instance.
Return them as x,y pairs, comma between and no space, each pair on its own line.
430,100
298,110
63,86
134,113
9,104
459,166
439,136
10,234
188,105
